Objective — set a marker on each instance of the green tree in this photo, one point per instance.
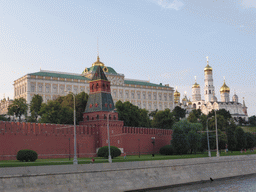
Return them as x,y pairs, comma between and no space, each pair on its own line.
179,113
35,106
132,115
185,136
53,112
250,140
240,138
163,119
194,141
231,139
192,118
18,108
252,120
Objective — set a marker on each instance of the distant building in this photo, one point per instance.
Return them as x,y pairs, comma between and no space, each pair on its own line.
51,84
4,104
210,103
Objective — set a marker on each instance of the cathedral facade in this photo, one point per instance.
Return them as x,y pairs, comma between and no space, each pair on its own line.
51,84
211,102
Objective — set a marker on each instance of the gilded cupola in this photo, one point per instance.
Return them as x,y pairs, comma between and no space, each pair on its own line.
224,88
98,62
208,67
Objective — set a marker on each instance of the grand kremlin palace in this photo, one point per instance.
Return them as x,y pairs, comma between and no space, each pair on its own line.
50,85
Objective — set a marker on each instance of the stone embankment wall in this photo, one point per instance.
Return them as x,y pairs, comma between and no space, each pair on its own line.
123,176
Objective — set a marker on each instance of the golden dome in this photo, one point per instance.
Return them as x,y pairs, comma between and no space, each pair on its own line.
196,85
184,99
189,102
98,63
176,93
208,68
224,88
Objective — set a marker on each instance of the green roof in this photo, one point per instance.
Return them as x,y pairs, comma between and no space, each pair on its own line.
52,74
93,69
142,83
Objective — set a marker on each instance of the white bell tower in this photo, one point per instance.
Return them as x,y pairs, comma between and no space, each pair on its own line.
208,81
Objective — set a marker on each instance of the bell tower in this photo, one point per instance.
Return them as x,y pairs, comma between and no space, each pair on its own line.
208,81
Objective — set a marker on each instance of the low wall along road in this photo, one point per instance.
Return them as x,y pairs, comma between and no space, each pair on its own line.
123,176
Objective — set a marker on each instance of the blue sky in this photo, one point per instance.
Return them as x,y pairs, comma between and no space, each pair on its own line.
165,41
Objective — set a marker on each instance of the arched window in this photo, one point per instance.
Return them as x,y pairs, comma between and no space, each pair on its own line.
97,86
194,105
97,117
209,91
103,86
114,117
105,117
109,117
205,92
87,117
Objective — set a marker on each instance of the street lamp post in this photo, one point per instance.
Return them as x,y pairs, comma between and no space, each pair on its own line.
75,162
109,153
209,151
217,141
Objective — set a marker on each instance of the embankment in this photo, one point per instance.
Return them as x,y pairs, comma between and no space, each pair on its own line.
123,176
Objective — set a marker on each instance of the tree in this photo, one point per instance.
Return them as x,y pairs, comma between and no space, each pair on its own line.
192,118
53,112
18,108
185,136
35,106
241,138
132,115
250,140
231,139
194,141
179,113
163,119
252,120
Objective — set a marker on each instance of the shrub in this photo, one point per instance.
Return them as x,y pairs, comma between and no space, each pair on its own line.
26,155
166,150
103,152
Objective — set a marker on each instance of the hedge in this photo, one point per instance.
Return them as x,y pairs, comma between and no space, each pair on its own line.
26,155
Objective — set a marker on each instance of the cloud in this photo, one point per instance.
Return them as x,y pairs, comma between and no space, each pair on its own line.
169,4
249,4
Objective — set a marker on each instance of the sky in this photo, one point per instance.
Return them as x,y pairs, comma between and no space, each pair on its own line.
164,41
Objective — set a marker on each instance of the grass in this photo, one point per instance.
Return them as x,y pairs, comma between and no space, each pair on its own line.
249,128
42,162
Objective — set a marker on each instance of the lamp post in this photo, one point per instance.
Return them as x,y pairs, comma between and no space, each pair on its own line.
109,153
153,142
209,151
217,141
75,162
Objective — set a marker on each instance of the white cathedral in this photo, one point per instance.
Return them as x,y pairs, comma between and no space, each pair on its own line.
210,103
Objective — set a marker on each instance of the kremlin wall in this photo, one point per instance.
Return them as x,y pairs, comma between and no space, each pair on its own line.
57,141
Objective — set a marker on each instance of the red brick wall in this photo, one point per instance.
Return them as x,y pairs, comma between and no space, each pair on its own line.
52,141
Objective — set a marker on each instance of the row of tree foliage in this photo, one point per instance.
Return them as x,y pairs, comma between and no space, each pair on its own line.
192,137
59,111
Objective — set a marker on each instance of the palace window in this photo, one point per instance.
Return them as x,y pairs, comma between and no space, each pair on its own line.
154,96
149,96
54,87
32,88
114,93
121,93
144,95
149,106
47,88
40,88
132,95
165,97
127,94
160,96
138,95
